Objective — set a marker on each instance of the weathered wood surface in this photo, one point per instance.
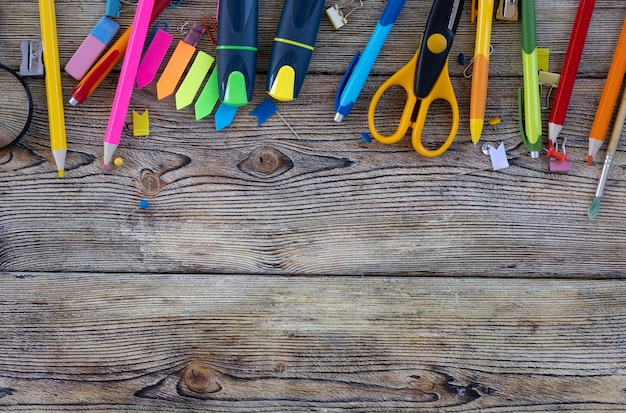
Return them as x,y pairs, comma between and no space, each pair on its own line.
87,342
323,204
484,291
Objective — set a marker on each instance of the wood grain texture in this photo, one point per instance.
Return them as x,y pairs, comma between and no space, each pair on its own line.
88,342
325,204
312,273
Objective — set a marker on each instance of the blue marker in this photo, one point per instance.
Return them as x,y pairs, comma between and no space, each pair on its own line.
357,75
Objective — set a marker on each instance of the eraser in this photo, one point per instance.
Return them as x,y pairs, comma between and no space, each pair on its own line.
91,48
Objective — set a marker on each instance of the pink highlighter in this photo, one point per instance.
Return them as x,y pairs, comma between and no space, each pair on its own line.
91,48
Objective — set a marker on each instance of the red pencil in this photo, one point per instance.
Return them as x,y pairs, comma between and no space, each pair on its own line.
570,68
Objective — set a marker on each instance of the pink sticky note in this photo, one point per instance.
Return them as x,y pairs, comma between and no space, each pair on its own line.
154,56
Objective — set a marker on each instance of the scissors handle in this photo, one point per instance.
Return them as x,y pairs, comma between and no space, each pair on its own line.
442,90
405,78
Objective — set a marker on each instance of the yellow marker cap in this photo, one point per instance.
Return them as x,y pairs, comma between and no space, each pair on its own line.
284,84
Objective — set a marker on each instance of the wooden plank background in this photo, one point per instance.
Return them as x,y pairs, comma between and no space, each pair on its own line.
275,272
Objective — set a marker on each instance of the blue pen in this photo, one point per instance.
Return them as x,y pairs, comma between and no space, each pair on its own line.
357,75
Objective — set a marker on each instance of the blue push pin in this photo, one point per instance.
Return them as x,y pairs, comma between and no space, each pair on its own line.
143,204
365,138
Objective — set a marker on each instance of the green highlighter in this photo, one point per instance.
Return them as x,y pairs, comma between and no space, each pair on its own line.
236,50
531,104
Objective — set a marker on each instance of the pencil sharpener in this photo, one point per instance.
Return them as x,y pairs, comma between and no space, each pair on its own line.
32,51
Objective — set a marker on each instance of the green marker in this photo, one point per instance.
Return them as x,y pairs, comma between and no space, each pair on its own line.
236,50
531,133
191,84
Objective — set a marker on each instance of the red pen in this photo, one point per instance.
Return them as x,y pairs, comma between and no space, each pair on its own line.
107,62
570,69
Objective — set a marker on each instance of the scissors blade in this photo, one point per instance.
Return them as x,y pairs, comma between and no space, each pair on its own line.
436,43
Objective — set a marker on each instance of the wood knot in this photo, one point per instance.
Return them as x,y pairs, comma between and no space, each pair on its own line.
280,367
198,381
151,183
265,162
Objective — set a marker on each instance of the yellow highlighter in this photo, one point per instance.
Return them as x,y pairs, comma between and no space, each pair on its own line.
480,72
293,46
54,97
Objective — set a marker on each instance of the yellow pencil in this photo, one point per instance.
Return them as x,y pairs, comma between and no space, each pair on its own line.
54,96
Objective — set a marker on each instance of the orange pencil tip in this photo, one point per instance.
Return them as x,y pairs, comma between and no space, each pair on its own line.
589,160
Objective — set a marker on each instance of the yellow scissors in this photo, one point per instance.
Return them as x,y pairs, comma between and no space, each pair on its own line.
425,79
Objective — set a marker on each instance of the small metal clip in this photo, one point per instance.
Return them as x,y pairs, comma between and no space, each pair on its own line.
32,64
507,10
552,81
337,17
558,161
467,73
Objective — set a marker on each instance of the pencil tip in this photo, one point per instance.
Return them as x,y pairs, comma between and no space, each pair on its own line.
61,173
589,160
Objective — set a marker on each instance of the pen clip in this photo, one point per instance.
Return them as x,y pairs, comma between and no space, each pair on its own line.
520,108
345,78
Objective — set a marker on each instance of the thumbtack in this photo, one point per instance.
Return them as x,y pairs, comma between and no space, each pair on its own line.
365,138
143,204
494,122
118,161
265,110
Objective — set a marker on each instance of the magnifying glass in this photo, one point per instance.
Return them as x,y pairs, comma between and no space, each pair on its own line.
16,107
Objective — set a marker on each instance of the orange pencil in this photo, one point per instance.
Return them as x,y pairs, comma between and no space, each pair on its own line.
609,97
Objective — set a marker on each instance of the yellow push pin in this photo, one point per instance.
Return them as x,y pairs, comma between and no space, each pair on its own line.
494,122
118,161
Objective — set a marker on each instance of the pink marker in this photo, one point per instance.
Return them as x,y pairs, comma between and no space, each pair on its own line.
154,56
126,82
92,47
